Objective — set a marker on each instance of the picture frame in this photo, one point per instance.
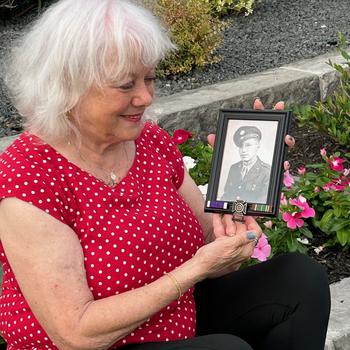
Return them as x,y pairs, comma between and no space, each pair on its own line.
247,166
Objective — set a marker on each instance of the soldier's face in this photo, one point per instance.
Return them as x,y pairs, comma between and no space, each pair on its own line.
249,149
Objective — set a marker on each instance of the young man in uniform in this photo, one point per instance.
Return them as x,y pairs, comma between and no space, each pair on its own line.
248,180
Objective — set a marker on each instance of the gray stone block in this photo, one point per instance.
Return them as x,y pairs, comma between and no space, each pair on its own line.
338,336
329,82
303,82
328,76
5,142
197,110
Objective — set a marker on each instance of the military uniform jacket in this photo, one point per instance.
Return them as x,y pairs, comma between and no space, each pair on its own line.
252,188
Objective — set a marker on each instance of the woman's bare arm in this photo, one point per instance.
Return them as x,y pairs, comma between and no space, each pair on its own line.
48,262
194,198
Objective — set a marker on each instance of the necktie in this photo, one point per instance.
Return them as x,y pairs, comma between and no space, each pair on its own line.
244,171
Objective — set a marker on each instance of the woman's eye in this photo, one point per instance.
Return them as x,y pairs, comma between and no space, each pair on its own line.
126,86
150,80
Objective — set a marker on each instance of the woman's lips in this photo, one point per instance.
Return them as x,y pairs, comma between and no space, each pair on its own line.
133,117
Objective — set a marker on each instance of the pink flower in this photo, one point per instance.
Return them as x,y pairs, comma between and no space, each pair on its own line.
288,180
181,136
338,184
268,224
293,220
301,210
316,189
328,186
301,170
323,152
262,250
336,163
331,186
346,172
283,199
339,188
301,202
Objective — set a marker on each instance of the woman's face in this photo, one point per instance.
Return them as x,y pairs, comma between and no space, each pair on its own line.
115,112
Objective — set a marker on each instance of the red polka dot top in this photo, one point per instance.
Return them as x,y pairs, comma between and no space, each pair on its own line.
130,234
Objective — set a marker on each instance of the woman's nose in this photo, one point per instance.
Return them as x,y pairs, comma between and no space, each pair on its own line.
144,96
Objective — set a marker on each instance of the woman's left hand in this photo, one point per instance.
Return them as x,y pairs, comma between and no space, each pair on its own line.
225,226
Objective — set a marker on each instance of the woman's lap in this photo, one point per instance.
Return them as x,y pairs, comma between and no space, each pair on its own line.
280,304
204,342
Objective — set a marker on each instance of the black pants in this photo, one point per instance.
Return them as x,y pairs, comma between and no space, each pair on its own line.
280,304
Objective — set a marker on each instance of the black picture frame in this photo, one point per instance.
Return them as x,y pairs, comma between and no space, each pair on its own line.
248,180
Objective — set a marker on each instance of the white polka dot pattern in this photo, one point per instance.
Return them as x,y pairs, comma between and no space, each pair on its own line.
130,234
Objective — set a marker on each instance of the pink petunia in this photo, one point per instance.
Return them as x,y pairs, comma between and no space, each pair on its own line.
283,199
288,180
338,185
293,220
339,188
301,202
262,250
336,163
328,186
181,136
323,152
346,172
301,170
268,224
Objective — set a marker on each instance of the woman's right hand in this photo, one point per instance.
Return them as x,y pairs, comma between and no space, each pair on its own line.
226,252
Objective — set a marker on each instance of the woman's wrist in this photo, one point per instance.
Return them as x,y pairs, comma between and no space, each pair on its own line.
188,274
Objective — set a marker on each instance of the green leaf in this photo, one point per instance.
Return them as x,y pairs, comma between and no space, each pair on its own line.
344,236
302,248
326,218
306,232
337,212
292,244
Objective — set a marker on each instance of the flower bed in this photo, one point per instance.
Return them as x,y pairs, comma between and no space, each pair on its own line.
317,200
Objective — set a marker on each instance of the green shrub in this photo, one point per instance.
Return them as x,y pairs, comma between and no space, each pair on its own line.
195,30
326,186
221,7
332,117
202,154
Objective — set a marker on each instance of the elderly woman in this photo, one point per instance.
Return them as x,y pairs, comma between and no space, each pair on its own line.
102,230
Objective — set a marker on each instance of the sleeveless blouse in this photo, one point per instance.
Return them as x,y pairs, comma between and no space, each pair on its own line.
130,234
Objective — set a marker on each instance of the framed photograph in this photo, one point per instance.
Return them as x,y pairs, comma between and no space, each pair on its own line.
247,166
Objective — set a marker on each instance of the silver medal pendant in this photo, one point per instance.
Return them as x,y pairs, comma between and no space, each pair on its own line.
113,178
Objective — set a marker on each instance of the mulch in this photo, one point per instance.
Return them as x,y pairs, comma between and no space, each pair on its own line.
335,259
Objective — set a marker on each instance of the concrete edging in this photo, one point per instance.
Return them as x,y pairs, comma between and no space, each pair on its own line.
338,335
302,82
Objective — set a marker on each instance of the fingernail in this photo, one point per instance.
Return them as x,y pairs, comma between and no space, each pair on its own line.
257,98
291,138
251,235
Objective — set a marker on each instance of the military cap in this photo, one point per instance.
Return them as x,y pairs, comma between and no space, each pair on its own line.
244,133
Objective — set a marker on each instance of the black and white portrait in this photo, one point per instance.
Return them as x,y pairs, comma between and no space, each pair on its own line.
247,166
247,159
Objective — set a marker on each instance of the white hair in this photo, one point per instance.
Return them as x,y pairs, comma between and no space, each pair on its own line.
74,45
